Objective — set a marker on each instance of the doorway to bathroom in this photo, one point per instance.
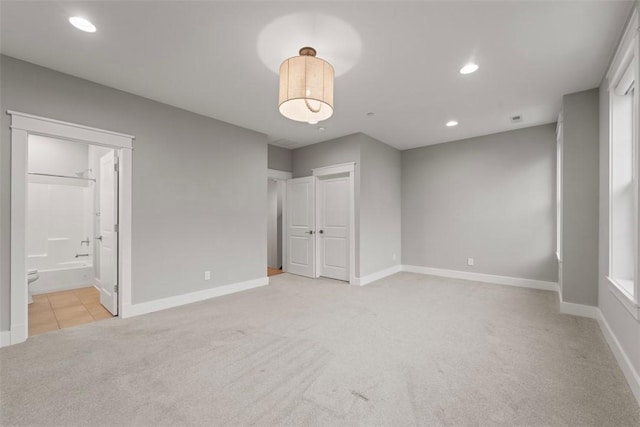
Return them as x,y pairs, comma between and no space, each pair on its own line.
71,239
70,224
276,212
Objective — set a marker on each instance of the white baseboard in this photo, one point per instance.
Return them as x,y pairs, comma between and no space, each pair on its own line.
178,300
580,310
632,376
485,278
365,280
5,338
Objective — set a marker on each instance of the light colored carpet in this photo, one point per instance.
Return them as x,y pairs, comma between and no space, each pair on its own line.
407,350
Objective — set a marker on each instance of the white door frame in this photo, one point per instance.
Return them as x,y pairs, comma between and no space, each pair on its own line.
343,168
282,176
23,125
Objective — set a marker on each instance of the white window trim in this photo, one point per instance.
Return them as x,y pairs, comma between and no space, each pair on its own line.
627,53
23,125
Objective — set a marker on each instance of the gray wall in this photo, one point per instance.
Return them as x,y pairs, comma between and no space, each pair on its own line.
199,192
580,198
491,198
328,153
279,158
380,206
623,325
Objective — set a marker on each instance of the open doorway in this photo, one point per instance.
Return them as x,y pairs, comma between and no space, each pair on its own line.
276,193
70,233
118,148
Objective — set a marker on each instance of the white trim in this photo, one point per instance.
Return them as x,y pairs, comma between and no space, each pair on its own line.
352,224
579,310
626,56
624,52
624,298
335,169
5,338
19,292
485,278
23,125
37,125
279,175
343,168
369,278
178,300
632,376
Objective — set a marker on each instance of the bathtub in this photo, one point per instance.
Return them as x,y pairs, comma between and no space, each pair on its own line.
70,275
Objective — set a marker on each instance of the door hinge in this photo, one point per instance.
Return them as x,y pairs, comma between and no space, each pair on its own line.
116,167
116,228
115,288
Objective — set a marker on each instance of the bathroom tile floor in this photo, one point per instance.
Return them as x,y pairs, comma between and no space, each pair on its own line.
64,309
273,271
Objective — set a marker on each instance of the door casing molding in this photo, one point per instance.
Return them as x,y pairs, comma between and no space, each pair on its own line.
341,169
282,177
23,125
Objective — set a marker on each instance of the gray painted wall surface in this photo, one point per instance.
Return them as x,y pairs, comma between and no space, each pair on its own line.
279,158
491,198
623,325
380,206
199,192
328,153
580,198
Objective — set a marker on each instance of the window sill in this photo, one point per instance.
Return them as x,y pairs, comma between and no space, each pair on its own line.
625,298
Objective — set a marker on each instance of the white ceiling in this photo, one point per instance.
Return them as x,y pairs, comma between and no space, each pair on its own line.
399,60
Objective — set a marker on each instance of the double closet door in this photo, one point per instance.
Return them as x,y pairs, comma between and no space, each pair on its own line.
318,226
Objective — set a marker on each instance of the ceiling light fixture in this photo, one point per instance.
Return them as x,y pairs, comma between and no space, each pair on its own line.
306,88
82,24
451,123
469,68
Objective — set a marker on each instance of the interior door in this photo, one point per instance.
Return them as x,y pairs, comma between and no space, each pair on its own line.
333,227
108,208
300,227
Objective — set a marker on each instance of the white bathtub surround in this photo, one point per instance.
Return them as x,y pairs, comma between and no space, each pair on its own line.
73,276
60,215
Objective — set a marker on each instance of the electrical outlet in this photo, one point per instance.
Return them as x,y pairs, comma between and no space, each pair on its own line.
469,261
207,275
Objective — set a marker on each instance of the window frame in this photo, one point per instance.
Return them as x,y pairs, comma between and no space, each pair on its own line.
627,55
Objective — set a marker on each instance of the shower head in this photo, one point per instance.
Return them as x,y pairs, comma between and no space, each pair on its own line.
81,173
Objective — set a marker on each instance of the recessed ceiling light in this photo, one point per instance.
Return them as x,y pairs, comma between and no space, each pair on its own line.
452,123
469,68
82,24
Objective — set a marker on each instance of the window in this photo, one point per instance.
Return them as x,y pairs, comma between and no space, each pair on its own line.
623,168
